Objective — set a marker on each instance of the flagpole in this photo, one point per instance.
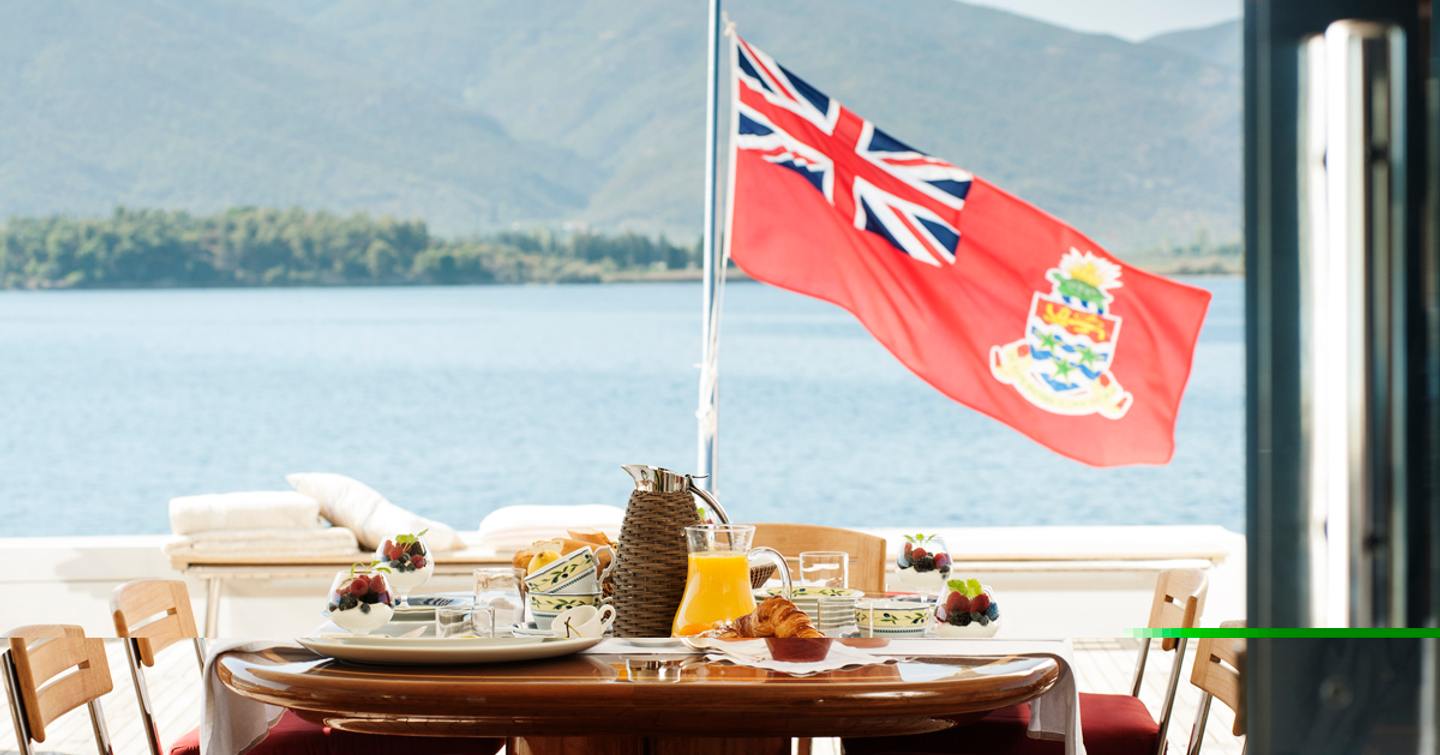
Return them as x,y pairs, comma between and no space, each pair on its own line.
712,268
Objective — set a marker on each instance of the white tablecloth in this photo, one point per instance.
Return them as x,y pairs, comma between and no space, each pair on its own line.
231,722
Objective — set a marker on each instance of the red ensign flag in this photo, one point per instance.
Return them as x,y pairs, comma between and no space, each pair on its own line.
990,300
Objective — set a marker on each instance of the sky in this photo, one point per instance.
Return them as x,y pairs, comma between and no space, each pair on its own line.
1130,19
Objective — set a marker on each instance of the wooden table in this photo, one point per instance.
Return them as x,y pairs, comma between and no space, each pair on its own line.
618,704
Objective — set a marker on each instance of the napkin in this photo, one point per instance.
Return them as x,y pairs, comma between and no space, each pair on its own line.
757,654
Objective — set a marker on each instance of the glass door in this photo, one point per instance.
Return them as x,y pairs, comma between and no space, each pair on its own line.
1341,282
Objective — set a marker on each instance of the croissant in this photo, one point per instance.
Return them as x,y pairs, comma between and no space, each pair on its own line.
776,617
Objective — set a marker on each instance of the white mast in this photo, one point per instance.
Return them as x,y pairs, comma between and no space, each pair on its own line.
712,268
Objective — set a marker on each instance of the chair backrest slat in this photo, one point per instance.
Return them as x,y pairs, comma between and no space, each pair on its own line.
58,669
1179,601
1219,669
867,552
155,611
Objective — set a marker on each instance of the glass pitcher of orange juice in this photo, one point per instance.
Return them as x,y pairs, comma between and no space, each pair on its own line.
717,582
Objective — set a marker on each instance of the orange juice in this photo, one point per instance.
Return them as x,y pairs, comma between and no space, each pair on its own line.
717,588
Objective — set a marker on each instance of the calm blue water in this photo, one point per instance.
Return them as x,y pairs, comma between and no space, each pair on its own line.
454,401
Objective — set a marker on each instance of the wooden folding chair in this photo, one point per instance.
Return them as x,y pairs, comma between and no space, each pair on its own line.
867,552
49,671
151,615
867,557
1178,602
1219,672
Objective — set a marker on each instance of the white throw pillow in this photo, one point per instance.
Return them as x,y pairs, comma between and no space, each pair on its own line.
356,506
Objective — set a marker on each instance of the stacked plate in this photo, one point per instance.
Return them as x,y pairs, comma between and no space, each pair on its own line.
831,608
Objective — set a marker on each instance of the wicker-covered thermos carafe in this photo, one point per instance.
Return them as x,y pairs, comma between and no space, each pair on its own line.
651,559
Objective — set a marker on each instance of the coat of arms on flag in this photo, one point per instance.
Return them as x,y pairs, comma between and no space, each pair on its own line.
1062,365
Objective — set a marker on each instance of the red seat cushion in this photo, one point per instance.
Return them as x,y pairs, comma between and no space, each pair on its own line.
293,735
1111,725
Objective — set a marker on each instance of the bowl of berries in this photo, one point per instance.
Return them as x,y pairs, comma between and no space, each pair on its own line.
924,564
966,609
408,559
360,600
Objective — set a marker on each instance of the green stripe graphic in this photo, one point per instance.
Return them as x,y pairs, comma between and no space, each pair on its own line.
1290,633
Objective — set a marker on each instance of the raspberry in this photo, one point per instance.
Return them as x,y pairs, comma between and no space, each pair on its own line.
980,603
957,602
942,561
418,562
917,554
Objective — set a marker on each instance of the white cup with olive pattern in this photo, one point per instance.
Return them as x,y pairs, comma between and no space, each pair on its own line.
575,573
544,607
893,618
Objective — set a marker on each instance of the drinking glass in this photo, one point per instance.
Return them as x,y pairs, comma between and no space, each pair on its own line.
825,569
717,583
452,621
498,606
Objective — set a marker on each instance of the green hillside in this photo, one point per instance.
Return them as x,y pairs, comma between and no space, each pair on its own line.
483,114
1220,44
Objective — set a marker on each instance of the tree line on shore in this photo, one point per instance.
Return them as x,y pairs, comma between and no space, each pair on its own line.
249,246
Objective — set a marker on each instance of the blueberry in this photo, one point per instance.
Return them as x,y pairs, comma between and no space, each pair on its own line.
984,620
364,608
993,612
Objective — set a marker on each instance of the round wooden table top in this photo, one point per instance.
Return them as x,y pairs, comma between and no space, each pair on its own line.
674,695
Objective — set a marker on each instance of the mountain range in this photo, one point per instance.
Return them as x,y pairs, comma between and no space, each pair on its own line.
477,115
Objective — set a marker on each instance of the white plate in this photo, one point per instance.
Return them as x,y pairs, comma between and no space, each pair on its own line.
422,651
652,642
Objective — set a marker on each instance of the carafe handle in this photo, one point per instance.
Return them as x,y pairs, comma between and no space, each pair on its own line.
709,501
780,564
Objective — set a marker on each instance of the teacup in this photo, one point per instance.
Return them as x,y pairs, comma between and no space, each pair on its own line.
583,621
544,607
574,573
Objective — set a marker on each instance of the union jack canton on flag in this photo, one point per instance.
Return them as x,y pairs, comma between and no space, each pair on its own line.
889,188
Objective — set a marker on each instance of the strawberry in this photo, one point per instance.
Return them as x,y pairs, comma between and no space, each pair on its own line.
909,549
957,603
377,583
981,603
942,561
